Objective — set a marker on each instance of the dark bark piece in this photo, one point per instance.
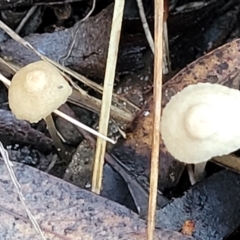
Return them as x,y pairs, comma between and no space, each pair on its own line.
5,5
89,53
212,205
41,42
218,23
13,131
65,211
187,20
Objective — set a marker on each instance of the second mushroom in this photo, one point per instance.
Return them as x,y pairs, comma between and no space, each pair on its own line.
200,122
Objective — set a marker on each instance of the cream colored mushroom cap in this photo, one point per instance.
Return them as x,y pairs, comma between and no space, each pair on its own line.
202,121
36,90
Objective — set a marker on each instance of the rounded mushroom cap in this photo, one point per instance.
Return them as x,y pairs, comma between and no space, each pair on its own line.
36,90
202,121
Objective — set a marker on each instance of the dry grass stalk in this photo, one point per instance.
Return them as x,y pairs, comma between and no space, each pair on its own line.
25,19
17,185
158,57
145,25
107,94
166,58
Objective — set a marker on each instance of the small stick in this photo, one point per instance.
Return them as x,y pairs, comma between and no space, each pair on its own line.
158,56
68,118
107,94
166,58
74,34
83,126
25,19
5,80
145,25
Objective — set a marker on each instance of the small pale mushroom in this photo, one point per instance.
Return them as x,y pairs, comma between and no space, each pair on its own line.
201,122
37,90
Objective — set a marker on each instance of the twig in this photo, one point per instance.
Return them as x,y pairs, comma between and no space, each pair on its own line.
5,80
145,25
158,33
81,125
166,58
107,93
25,19
75,31
9,166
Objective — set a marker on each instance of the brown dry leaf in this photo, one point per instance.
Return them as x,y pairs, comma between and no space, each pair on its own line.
219,66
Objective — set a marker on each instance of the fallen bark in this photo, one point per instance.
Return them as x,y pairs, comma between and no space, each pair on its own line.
65,211
14,131
6,5
89,52
212,206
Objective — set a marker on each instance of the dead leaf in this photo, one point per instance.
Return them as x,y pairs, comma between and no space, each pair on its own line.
220,66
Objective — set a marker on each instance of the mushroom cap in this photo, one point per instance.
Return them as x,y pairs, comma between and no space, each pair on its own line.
36,90
202,121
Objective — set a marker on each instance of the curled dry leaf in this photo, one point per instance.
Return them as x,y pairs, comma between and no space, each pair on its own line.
220,66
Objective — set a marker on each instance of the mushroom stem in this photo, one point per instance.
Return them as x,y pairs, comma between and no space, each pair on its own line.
63,153
199,171
196,172
191,174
